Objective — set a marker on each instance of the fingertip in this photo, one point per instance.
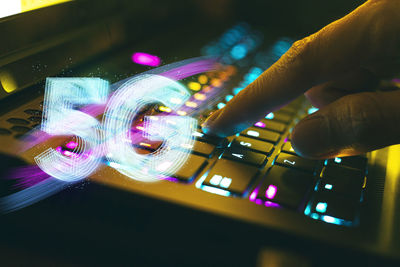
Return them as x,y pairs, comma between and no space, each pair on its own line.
311,138
208,126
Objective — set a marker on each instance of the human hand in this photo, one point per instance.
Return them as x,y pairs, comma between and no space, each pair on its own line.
342,64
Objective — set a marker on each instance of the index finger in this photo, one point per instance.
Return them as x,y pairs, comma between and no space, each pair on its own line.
332,51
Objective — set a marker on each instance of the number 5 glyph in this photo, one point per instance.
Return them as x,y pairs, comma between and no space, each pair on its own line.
61,116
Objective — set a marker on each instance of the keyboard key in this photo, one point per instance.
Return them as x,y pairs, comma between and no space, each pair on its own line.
337,171
33,112
253,144
35,119
261,134
289,110
200,148
282,117
4,131
18,121
271,125
20,129
245,156
356,162
191,168
350,187
293,161
215,140
333,206
231,176
285,186
287,147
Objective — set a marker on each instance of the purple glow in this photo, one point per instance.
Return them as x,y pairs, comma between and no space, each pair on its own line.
28,176
271,204
254,194
71,145
260,124
171,179
271,191
258,201
146,59
286,139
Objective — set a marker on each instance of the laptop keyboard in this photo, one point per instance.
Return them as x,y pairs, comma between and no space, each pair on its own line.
258,164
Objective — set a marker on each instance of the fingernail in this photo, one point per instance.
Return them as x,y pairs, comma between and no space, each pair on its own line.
311,137
207,125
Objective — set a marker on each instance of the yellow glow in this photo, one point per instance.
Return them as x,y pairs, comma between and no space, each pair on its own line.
27,5
207,89
194,86
12,7
140,128
7,82
144,144
216,82
231,69
181,112
191,104
200,96
203,79
165,109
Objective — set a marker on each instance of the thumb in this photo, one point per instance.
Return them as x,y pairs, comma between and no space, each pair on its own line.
352,125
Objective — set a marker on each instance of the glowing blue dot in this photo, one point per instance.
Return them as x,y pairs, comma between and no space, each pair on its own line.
256,71
338,160
328,186
281,47
237,90
239,51
321,207
220,105
270,116
228,98
312,110
250,77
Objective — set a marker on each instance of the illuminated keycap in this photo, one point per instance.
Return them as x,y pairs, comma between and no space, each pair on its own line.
220,105
194,86
199,96
237,90
312,110
253,133
225,182
216,82
271,191
164,109
270,116
215,180
328,186
321,207
228,98
191,104
203,79
260,124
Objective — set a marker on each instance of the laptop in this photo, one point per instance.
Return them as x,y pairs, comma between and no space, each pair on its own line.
244,200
